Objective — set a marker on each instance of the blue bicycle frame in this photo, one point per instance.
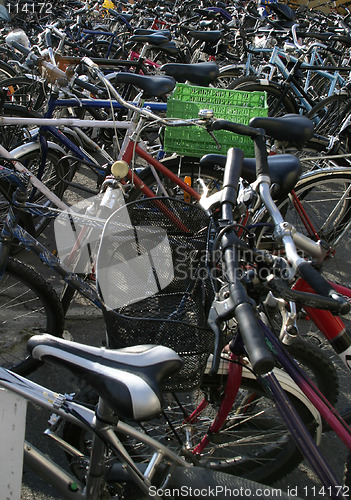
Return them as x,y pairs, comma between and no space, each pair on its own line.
63,140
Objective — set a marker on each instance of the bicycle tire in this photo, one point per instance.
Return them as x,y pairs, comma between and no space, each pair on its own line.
316,154
6,71
12,136
226,77
250,84
325,195
265,462
25,91
347,472
329,113
193,480
99,48
28,306
318,365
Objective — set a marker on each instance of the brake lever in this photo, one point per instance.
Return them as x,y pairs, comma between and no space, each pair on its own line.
220,311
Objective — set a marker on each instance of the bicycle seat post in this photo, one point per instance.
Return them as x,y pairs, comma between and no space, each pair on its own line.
104,417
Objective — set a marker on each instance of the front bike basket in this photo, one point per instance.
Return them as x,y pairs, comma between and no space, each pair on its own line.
153,278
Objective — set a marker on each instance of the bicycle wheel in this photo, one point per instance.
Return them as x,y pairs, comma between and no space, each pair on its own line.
317,154
28,306
226,77
277,105
325,196
329,113
254,442
194,479
6,71
12,136
28,92
104,49
347,472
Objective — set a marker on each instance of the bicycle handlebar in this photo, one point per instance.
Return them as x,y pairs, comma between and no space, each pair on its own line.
280,289
322,286
255,345
236,128
257,134
231,177
93,67
283,230
21,48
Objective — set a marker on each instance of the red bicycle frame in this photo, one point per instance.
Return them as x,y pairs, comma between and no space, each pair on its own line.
332,327
134,148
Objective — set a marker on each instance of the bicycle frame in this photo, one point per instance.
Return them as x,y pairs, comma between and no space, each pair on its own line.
61,405
332,327
129,149
276,62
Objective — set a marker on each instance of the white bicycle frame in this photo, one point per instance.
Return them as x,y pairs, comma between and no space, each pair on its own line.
61,405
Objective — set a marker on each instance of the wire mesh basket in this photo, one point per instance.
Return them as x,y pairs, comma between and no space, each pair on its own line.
168,303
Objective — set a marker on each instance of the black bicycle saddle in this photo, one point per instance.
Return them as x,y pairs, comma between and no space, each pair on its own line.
153,86
127,379
295,129
284,170
198,73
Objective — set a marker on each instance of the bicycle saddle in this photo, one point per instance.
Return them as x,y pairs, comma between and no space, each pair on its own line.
118,16
199,73
143,31
284,170
206,36
153,86
169,47
127,379
153,39
205,23
295,129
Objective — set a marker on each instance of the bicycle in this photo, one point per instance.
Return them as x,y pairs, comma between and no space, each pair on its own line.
11,228
261,361
166,474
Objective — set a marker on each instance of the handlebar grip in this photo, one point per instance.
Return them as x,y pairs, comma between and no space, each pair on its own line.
303,299
262,167
87,86
236,128
48,39
232,172
20,47
321,285
260,357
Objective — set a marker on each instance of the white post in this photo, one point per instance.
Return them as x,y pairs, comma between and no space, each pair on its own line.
12,430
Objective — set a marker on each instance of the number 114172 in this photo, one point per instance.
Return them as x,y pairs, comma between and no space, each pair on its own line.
40,8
